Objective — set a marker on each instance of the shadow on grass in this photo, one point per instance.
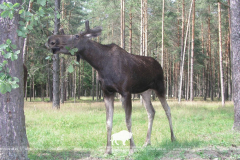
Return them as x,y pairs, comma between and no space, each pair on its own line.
151,153
57,154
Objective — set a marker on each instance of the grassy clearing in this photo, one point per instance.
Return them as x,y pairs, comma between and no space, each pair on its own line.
78,130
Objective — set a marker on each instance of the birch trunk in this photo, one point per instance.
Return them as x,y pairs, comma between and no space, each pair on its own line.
183,56
220,54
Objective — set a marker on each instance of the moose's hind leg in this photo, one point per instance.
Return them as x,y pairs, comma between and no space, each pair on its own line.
151,112
168,113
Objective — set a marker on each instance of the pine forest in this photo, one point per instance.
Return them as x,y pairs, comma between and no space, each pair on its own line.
189,38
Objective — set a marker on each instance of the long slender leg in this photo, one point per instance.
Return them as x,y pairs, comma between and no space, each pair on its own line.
151,112
127,105
109,99
168,113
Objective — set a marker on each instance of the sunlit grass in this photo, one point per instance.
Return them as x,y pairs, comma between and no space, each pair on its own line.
81,126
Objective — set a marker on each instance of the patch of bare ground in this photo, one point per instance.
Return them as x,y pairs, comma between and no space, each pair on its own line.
93,158
212,153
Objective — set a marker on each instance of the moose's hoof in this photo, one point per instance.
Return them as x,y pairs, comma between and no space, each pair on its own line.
173,139
108,151
132,150
147,143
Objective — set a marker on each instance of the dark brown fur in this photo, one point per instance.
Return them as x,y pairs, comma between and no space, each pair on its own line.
119,72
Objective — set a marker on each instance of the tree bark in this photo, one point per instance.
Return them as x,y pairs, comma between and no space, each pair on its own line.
210,54
13,138
26,39
56,97
79,79
183,29
75,83
235,48
145,30
143,36
163,3
220,53
93,83
183,56
130,32
123,24
62,79
192,53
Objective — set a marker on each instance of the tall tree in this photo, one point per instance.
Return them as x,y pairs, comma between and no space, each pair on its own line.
123,24
235,44
92,92
13,138
62,79
163,4
143,36
220,53
192,52
56,99
183,55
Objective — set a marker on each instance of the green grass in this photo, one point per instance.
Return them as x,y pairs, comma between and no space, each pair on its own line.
79,130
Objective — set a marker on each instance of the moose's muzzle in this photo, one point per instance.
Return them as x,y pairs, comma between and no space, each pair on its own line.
55,49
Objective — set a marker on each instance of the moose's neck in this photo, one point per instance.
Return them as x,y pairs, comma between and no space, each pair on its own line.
93,53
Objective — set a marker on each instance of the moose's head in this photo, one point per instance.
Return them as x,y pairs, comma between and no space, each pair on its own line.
63,43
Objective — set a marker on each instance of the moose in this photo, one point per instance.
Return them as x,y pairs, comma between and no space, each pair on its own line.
118,71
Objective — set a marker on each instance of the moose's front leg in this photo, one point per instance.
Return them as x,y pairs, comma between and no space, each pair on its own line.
109,99
127,104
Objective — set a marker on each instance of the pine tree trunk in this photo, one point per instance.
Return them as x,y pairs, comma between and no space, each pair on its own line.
229,54
130,33
33,84
49,83
62,79
123,24
210,55
235,43
145,29
183,29
56,97
192,53
75,84
143,36
163,3
92,83
79,80
97,86
188,70
220,54
13,138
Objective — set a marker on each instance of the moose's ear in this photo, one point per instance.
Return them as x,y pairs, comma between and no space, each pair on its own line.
93,32
61,31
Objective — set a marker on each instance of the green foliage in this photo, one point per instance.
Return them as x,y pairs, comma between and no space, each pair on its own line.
8,9
70,68
41,2
7,83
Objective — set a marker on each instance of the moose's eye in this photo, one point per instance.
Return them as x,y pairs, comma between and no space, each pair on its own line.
77,36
